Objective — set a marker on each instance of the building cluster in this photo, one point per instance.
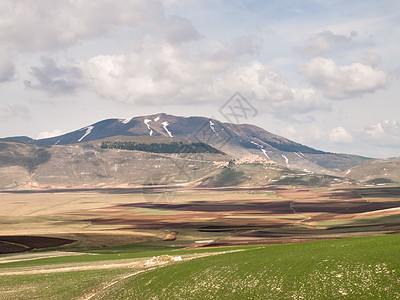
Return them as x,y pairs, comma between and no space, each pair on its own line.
252,159
248,159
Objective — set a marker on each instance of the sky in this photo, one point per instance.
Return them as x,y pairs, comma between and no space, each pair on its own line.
322,73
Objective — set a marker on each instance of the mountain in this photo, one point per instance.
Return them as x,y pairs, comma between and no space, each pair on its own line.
378,172
25,166
29,166
21,139
235,140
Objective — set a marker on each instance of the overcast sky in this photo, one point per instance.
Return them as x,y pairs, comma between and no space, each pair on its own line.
324,73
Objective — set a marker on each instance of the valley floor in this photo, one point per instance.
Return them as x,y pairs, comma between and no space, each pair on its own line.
100,243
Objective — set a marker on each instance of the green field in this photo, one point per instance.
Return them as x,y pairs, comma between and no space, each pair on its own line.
354,268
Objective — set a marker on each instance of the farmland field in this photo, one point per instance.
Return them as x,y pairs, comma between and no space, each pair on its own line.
356,268
236,243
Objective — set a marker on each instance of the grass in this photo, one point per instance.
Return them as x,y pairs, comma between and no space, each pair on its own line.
229,177
361,268
67,285
354,268
366,268
109,255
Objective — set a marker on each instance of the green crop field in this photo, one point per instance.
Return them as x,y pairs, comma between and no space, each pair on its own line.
354,268
362,268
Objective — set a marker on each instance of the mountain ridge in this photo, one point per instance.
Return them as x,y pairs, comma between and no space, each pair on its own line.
236,140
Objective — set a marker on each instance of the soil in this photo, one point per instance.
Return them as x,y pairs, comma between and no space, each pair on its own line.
20,243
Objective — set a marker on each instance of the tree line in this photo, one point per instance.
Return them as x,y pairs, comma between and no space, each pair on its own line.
173,147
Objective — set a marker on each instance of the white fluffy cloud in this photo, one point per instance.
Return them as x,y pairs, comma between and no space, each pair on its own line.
159,72
48,134
385,133
153,72
339,82
318,44
340,135
268,86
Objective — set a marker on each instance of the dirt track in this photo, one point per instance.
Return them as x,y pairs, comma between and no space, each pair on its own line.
136,263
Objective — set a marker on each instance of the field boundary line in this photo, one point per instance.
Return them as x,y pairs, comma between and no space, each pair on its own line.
15,244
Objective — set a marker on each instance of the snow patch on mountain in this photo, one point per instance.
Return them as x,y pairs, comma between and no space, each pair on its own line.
299,154
212,127
156,119
125,121
261,148
165,124
254,143
265,153
286,159
146,121
88,131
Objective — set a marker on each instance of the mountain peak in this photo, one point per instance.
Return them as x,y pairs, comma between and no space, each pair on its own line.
236,140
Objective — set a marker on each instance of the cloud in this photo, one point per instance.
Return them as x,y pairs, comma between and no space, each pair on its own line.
14,111
290,132
246,45
5,111
339,82
49,134
384,133
266,85
7,68
43,25
176,29
308,135
54,79
33,26
153,72
321,43
340,135
372,59
158,72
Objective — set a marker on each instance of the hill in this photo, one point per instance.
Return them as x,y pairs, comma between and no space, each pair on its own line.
357,268
318,270
378,172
